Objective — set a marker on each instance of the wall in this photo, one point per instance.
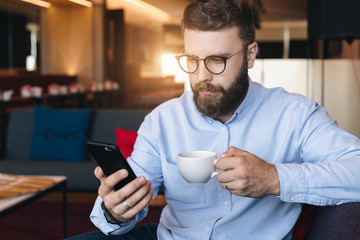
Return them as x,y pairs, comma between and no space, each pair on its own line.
67,41
72,42
334,88
144,48
341,97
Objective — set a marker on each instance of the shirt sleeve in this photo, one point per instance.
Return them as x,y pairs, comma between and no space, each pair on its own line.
144,154
329,172
98,219
324,183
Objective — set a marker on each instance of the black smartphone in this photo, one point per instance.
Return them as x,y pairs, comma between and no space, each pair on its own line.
110,159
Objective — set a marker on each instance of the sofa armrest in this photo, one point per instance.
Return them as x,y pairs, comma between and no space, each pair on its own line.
336,222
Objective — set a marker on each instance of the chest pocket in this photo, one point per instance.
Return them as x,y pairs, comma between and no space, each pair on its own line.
178,189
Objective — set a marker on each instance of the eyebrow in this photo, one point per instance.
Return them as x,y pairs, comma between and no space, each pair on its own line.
218,55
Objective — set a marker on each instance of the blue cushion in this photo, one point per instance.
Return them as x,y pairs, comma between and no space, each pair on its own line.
59,134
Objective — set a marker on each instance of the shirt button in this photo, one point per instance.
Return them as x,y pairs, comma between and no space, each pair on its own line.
226,203
224,128
208,229
292,199
331,203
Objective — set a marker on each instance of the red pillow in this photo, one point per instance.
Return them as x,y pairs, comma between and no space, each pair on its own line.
303,224
125,140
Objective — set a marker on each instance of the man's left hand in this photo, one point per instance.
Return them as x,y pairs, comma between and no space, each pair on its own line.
245,174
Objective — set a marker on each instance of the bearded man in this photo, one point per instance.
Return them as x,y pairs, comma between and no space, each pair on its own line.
277,150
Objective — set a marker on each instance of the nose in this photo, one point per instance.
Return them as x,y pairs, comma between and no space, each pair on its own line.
202,74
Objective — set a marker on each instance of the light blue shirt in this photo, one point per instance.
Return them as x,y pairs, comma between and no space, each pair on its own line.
317,162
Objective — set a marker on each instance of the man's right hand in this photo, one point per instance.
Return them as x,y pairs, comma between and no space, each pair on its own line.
137,194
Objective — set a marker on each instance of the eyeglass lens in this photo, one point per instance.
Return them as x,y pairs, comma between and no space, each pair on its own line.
214,64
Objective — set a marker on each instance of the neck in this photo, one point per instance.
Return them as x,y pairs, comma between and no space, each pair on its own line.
224,118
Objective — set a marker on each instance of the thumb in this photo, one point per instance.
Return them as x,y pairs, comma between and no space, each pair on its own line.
99,173
232,151
228,153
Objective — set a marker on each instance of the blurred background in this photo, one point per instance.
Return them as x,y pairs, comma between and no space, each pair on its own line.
307,47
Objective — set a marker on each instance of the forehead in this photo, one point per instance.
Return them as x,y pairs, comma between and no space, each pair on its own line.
204,43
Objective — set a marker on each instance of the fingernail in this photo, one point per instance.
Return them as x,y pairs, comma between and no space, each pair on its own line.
142,180
123,173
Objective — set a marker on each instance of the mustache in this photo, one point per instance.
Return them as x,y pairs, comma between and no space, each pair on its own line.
208,88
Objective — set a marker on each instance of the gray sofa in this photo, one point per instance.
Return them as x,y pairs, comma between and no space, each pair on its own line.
80,174
316,223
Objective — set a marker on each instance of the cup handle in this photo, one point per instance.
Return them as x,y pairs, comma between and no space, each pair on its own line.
215,173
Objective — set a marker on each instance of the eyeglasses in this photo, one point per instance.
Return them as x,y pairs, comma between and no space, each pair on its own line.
214,64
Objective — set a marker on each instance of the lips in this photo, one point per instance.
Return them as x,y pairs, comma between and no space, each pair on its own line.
205,89
207,93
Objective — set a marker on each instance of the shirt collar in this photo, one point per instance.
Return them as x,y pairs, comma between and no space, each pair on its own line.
246,103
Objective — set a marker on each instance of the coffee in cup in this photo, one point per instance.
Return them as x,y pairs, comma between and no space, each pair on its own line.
197,166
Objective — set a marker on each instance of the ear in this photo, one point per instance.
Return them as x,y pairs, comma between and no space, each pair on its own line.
251,54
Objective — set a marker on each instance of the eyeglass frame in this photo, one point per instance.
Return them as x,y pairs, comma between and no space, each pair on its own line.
178,56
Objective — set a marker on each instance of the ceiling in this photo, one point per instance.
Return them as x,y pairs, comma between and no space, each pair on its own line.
275,10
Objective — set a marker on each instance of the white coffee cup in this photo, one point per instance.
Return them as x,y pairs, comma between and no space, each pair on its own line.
197,166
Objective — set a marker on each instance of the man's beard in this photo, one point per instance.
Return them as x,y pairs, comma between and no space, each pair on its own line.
223,102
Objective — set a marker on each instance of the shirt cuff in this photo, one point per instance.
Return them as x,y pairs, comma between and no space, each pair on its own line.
99,220
293,185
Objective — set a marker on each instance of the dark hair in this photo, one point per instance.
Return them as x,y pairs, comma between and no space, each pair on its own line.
213,15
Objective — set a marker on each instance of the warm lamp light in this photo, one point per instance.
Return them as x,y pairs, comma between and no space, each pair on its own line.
38,3
140,7
84,3
170,67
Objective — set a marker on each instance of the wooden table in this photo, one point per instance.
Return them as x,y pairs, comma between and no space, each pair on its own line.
12,203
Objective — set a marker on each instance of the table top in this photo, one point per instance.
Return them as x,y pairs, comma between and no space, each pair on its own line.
27,190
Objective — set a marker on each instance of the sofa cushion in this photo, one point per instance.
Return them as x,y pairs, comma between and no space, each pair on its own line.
336,222
59,134
20,123
106,120
125,140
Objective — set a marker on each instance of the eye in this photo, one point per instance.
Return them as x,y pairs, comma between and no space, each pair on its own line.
215,59
191,60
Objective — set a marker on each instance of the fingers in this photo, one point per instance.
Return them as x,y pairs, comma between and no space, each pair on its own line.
231,162
237,166
133,192
225,185
227,175
137,201
99,173
137,195
234,164
108,183
231,158
245,174
226,163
